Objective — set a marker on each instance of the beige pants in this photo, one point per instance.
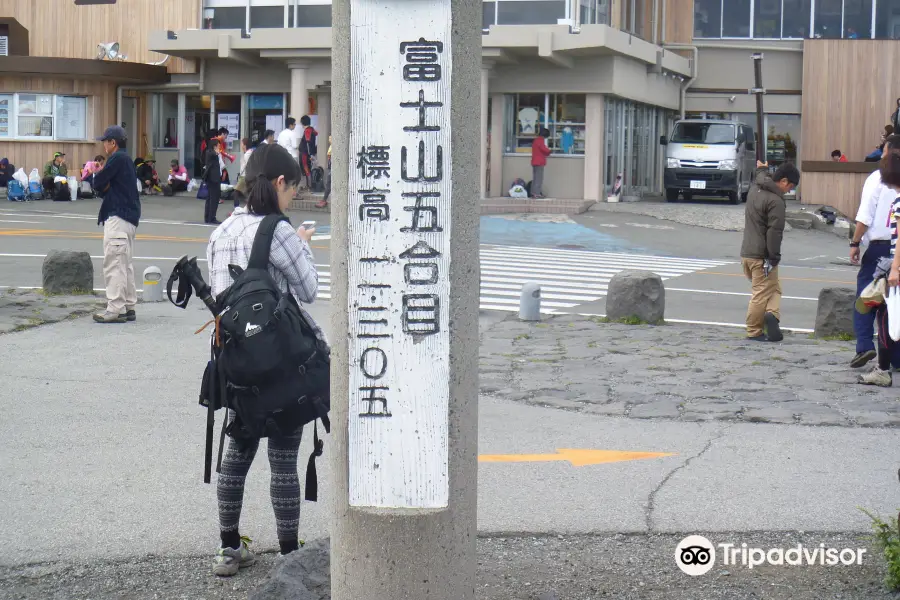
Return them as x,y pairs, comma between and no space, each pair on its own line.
118,266
766,295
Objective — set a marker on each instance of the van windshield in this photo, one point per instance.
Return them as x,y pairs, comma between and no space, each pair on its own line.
703,133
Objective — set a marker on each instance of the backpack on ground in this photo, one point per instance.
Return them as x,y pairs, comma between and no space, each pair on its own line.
269,366
15,192
317,180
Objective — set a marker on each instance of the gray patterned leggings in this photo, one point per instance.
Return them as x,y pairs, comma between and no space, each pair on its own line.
284,487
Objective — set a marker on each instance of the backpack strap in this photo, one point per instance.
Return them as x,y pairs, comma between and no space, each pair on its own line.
312,480
262,243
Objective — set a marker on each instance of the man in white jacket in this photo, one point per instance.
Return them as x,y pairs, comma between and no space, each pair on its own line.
287,139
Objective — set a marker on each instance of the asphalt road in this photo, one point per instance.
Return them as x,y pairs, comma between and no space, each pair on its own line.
573,260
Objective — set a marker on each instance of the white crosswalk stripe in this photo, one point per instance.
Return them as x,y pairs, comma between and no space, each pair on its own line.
567,277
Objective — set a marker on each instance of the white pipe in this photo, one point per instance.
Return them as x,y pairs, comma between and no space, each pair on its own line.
694,71
160,63
655,22
577,27
662,35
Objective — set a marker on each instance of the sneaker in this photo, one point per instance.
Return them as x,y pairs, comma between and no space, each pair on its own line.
862,359
876,377
758,338
773,328
108,317
130,315
321,204
229,561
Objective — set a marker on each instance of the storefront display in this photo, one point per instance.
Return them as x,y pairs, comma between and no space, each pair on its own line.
562,114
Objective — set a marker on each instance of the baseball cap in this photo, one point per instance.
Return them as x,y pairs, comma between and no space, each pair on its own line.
58,154
113,132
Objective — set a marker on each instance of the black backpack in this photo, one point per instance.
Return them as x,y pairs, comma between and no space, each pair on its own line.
317,180
267,364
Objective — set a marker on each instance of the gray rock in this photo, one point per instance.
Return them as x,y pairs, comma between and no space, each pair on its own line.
835,313
67,272
304,574
638,294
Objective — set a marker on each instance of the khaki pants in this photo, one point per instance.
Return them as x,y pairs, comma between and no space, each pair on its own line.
766,295
118,266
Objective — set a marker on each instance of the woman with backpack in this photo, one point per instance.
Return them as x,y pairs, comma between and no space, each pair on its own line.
271,178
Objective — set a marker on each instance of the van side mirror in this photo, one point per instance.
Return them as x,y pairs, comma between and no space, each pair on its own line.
751,145
663,141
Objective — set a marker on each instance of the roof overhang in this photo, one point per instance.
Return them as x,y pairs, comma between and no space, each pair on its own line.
80,68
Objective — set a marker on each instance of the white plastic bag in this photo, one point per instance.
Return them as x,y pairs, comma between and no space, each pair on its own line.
517,191
194,184
140,187
73,188
35,176
893,308
21,177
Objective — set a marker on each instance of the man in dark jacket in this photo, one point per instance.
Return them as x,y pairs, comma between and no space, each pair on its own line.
761,249
212,175
120,212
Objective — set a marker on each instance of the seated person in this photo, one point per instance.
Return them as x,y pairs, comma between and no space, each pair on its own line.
87,174
178,179
6,171
53,169
146,173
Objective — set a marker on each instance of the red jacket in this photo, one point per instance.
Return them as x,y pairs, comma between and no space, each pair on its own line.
539,152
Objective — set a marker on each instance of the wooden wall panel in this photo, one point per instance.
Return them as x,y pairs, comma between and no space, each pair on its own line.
59,28
101,113
679,21
840,190
849,92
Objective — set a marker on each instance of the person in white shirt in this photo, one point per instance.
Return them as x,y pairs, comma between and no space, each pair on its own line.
873,229
287,139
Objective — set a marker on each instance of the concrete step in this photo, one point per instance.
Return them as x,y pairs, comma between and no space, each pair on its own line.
556,206
306,201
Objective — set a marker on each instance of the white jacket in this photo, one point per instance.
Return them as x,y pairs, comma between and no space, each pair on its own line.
288,141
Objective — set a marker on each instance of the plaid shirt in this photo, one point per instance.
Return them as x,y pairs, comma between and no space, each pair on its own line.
290,258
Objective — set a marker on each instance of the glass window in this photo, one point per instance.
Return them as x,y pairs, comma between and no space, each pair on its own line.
266,112
707,18
796,18
783,139
487,14
887,20
226,17
767,19
166,130
71,118
857,19
266,17
562,114
828,19
704,133
6,115
736,19
633,16
594,12
311,15
35,115
531,12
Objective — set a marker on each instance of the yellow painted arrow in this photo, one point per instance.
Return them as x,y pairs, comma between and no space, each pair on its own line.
578,458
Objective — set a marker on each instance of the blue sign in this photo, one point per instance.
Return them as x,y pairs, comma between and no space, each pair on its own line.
266,101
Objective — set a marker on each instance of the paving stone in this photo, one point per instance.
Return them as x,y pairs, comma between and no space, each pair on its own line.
656,409
771,414
610,408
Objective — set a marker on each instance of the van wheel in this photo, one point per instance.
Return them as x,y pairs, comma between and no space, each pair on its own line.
671,195
734,197
744,196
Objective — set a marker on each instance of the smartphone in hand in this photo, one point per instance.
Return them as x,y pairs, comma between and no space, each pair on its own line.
308,224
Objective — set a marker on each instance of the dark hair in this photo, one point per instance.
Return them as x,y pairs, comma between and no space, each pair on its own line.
888,129
290,121
268,133
787,171
268,162
892,142
246,142
99,158
213,143
890,170
173,162
120,143
223,130
305,121
544,132
836,153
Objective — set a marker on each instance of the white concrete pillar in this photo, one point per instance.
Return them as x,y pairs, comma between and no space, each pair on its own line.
485,86
299,93
594,141
498,119
324,128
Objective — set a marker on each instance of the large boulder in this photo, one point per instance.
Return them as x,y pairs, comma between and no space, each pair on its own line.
834,316
66,272
636,294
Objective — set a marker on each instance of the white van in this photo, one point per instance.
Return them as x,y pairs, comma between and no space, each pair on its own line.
709,158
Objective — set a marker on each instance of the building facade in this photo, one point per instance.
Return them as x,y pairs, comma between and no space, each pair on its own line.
596,73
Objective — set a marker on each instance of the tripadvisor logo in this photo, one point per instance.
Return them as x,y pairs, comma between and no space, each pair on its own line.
696,555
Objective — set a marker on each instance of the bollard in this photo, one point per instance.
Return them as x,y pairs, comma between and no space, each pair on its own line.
530,302
153,289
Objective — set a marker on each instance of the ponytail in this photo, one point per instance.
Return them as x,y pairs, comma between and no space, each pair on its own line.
263,198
